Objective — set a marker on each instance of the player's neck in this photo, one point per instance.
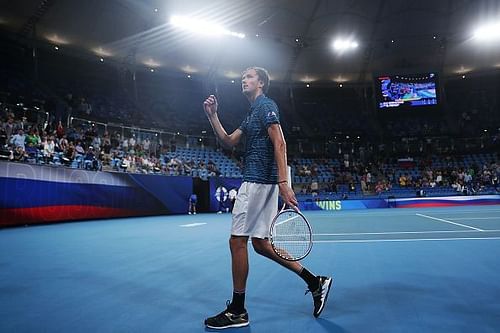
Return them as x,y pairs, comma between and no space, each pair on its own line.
253,97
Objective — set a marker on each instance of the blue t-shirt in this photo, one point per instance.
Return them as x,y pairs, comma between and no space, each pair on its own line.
260,165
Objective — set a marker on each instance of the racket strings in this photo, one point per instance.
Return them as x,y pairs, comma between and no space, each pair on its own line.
291,236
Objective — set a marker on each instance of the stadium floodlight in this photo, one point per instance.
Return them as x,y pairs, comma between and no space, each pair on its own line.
57,40
102,52
202,27
342,45
488,32
151,63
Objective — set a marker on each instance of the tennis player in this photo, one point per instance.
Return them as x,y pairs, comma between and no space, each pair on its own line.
264,177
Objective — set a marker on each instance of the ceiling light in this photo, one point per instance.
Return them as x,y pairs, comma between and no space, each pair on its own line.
101,52
55,39
232,75
463,70
151,63
202,27
189,69
340,79
488,32
344,44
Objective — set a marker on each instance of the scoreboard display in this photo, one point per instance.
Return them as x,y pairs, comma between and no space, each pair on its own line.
406,91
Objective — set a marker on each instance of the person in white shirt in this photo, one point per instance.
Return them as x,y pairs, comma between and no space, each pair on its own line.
131,142
48,149
19,139
439,179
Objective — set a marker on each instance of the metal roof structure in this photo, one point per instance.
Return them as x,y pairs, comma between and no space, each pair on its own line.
292,38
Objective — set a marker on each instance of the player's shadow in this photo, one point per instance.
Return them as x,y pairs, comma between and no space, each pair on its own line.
330,326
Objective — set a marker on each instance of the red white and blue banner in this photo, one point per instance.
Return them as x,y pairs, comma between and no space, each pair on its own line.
32,194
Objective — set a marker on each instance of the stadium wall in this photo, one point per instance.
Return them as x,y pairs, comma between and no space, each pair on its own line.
33,194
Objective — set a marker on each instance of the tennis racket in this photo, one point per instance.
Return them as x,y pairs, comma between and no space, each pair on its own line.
291,235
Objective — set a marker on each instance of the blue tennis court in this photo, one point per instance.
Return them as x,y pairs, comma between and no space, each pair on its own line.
395,270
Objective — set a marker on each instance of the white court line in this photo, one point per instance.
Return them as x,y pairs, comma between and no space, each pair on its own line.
446,221
191,225
401,232
405,240
474,218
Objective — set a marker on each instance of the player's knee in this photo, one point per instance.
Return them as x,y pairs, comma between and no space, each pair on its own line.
237,242
260,246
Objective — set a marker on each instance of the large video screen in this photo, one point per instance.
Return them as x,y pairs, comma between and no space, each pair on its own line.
406,91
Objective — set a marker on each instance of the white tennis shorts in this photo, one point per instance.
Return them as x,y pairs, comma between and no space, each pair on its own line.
255,207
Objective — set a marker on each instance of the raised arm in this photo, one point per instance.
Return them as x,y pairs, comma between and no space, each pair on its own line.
279,144
228,140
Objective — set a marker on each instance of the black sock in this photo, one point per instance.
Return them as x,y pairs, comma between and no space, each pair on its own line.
238,303
311,280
